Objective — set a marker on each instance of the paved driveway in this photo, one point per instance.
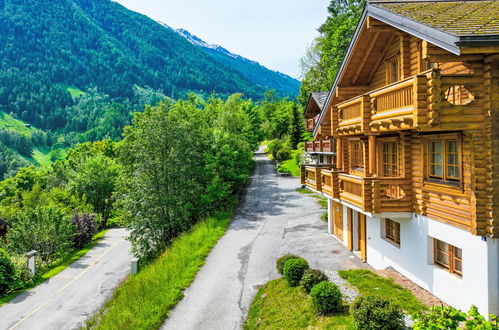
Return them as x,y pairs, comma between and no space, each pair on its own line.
273,220
69,298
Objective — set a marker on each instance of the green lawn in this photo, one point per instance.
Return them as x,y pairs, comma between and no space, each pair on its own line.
305,191
11,124
278,306
56,268
75,92
144,300
290,166
367,282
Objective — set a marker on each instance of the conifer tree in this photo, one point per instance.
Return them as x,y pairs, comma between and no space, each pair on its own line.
297,127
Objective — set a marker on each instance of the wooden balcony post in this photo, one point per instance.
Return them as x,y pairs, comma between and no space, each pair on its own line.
376,203
318,179
302,174
339,154
372,155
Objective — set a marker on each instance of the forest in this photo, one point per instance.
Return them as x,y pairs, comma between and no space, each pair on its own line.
188,159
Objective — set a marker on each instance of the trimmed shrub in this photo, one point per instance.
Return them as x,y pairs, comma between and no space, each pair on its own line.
373,312
326,297
294,269
86,227
7,272
283,154
279,263
312,277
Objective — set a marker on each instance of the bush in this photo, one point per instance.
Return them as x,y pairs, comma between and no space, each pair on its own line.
439,318
7,272
283,154
294,269
312,277
374,312
279,263
326,297
85,229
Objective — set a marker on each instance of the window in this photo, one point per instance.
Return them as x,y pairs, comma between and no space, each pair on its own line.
389,159
356,155
459,95
392,231
392,70
448,257
443,153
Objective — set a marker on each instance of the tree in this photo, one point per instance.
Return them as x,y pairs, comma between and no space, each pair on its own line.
325,55
164,153
297,127
94,179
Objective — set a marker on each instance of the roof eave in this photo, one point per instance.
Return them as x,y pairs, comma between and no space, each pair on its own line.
437,37
340,70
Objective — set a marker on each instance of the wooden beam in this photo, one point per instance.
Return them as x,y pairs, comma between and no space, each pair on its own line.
367,52
379,60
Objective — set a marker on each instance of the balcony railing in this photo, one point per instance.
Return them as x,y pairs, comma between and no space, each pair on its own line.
376,195
414,102
330,182
311,176
320,146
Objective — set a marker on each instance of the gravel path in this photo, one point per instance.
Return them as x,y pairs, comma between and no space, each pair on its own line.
272,220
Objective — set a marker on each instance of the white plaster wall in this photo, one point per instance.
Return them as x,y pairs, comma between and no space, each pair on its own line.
414,259
330,216
345,225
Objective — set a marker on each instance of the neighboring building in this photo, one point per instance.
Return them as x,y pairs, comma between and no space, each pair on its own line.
414,116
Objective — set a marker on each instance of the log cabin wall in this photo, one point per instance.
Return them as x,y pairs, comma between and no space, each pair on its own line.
452,95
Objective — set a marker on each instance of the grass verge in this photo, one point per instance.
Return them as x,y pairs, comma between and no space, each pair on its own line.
367,282
290,166
304,191
144,300
56,267
279,306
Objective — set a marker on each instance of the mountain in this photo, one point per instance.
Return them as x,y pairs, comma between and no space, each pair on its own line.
251,70
99,45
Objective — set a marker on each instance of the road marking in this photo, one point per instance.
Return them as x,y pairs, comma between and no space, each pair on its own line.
88,268
33,312
67,285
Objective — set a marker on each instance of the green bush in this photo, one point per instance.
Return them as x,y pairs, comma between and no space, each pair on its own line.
283,154
279,263
451,318
326,297
373,312
294,269
477,321
7,272
312,277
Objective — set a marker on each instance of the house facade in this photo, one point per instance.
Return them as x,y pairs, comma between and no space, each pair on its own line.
406,146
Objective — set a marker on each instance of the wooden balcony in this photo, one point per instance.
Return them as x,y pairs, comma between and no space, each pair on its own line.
376,195
353,116
310,124
311,176
398,106
330,183
320,146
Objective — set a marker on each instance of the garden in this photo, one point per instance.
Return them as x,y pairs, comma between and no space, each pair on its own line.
305,298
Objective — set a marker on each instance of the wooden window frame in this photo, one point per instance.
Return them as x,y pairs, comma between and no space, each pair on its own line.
380,159
392,226
451,254
445,178
354,166
389,62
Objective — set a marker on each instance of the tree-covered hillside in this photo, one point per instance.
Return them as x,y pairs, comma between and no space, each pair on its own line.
46,47
252,70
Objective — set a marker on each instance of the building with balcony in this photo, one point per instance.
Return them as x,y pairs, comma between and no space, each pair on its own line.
411,125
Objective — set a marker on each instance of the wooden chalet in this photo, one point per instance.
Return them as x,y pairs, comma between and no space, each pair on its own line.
414,119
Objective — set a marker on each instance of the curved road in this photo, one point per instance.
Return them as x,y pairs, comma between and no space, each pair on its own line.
272,220
68,299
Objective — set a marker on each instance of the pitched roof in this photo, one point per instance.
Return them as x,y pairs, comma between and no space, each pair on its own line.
444,23
458,18
320,98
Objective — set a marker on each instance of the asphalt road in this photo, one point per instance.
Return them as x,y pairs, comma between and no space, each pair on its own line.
272,220
68,299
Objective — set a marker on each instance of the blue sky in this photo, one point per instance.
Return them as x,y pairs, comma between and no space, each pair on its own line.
275,33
